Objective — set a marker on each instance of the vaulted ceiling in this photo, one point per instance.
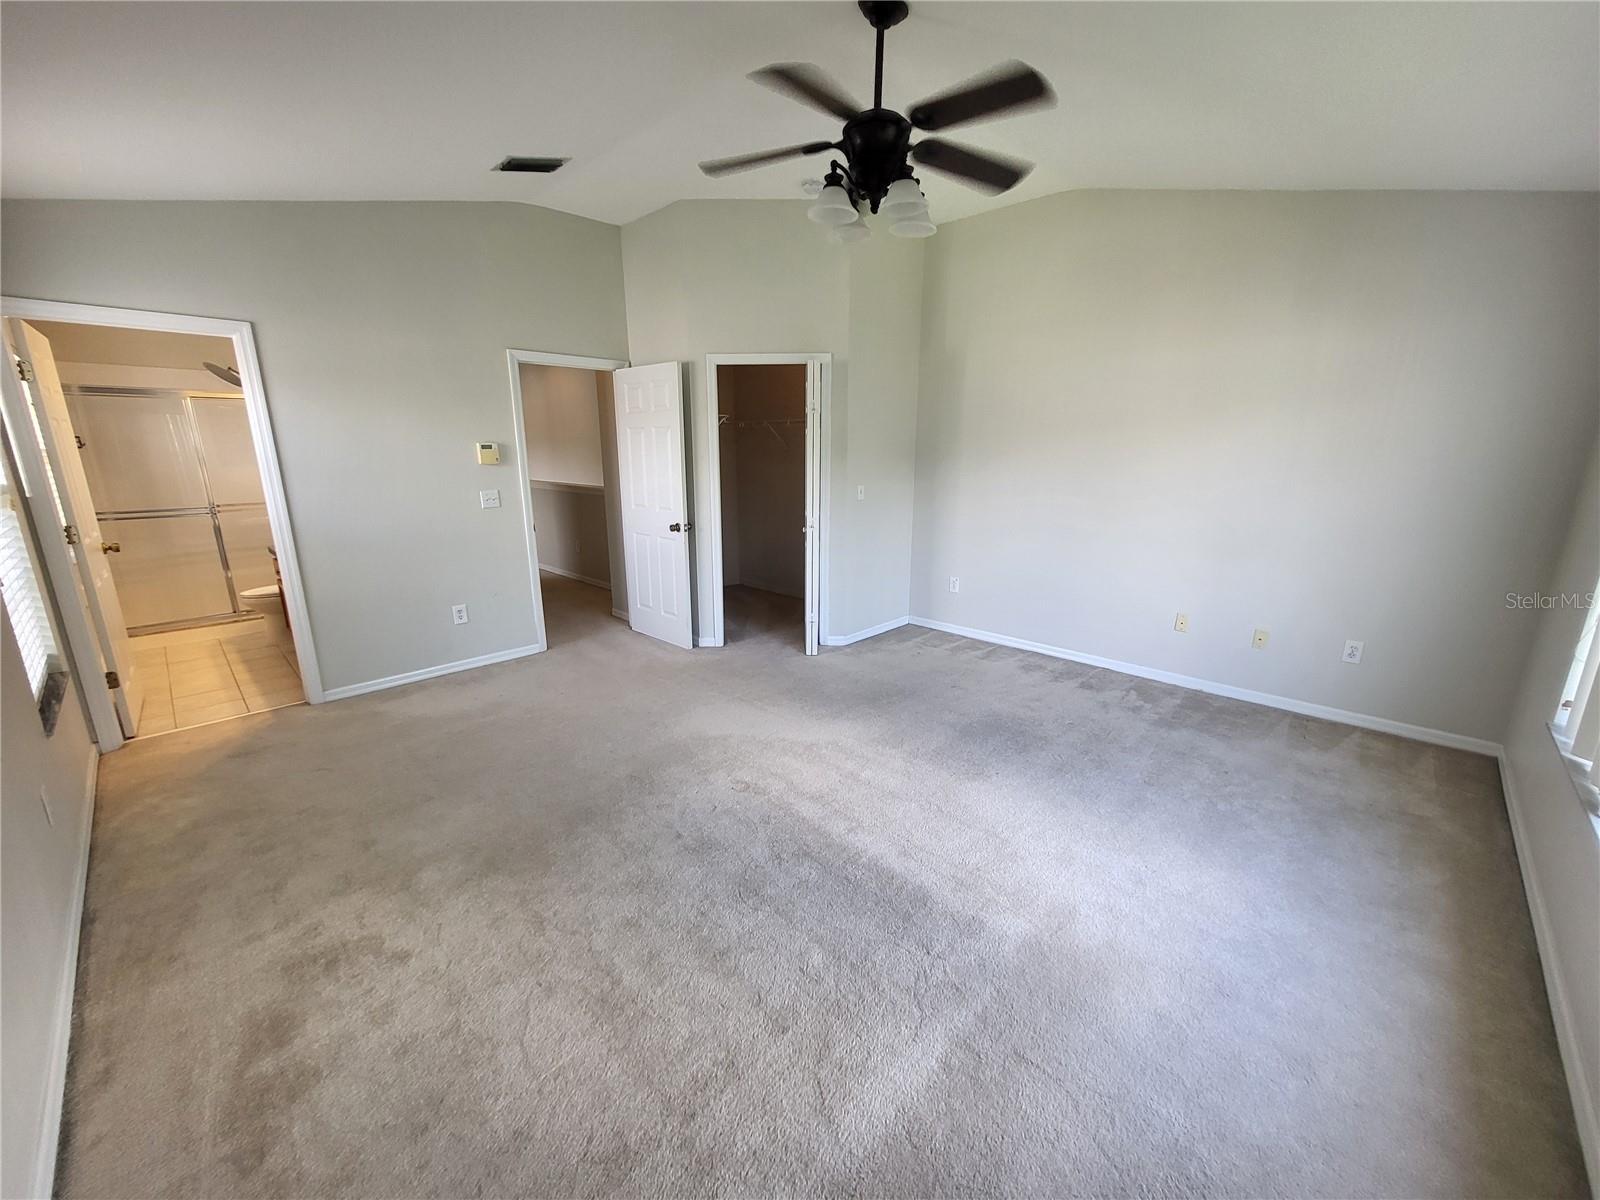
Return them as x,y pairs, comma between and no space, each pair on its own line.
380,101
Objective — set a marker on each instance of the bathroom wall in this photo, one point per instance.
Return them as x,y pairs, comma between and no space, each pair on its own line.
766,482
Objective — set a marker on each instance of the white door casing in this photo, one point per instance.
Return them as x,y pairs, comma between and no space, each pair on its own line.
813,496
655,508
89,551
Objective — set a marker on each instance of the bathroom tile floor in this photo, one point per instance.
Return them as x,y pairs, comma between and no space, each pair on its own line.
196,676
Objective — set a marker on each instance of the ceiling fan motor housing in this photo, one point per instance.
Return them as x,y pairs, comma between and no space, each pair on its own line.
877,144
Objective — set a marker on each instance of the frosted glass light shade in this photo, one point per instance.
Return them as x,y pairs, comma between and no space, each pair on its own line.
903,199
854,232
833,207
914,227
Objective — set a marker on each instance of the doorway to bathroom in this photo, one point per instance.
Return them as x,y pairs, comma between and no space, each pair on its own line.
147,450
566,453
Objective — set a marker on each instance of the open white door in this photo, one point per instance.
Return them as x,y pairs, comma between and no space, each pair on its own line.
655,506
96,589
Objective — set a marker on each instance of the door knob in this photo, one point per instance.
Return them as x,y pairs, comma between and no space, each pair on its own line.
681,526
111,547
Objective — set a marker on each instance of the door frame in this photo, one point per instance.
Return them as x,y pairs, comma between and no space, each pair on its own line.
242,335
519,437
819,391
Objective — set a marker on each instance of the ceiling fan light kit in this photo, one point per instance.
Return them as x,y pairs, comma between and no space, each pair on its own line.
876,142
855,231
833,207
914,227
903,199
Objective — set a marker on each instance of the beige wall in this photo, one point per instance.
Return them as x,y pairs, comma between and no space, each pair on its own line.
382,330
1558,841
41,860
561,421
571,525
729,277
76,343
1331,415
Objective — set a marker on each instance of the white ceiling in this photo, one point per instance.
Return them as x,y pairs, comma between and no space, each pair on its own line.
381,101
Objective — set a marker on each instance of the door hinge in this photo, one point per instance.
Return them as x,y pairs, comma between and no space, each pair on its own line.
70,532
113,680
25,370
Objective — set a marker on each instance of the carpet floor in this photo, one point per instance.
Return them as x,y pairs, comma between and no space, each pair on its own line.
919,917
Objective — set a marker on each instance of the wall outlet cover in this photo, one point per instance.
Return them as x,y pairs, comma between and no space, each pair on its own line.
1259,640
458,613
955,584
489,498
1353,652
1181,623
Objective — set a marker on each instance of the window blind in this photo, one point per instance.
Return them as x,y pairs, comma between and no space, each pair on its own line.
19,586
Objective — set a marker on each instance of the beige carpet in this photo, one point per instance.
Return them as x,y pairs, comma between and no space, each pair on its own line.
918,917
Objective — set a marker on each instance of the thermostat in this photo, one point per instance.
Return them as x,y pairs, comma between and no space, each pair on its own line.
488,453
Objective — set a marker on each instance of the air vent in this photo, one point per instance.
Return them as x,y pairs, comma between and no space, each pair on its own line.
539,166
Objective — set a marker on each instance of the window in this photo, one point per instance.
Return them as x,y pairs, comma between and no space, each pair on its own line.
26,608
1577,720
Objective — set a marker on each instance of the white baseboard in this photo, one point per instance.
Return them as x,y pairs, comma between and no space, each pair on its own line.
619,614
861,635
1418,733
566,574
1583,1098
465,664
44,1176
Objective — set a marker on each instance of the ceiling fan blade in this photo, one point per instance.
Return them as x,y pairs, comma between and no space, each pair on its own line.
808,84
744,162
1010,86
990,173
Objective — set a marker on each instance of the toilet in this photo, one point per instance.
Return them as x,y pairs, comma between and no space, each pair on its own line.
269,603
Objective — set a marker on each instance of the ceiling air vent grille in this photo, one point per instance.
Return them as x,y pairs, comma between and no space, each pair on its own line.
538,166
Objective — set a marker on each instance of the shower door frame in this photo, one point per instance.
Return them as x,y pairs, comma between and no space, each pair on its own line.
242,336
210,509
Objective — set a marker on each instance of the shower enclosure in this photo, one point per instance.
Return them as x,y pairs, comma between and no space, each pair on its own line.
175,485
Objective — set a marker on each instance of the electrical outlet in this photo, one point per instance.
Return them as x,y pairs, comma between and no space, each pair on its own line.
1181,624
458,613
1259,641
955,584
1353,651
489,498
861,491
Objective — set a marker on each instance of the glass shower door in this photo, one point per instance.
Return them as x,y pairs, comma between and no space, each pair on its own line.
146,471
229,453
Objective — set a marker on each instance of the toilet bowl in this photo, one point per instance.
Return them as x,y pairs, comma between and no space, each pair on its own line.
267,601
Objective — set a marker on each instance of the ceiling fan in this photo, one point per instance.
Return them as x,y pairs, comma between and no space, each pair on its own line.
877,146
